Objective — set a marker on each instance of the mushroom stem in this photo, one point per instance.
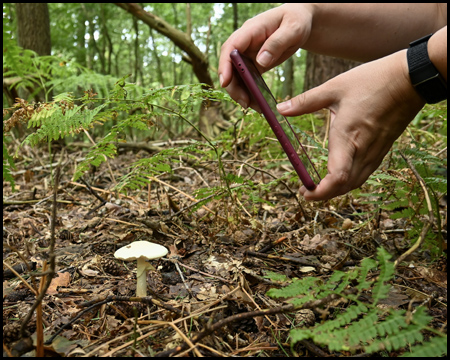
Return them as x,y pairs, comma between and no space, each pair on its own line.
141,287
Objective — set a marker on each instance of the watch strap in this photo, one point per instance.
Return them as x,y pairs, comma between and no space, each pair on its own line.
425,78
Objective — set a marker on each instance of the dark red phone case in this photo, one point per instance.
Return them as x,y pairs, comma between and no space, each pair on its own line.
279,124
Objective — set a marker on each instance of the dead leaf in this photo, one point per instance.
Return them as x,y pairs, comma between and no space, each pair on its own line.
61,279
434,275
395,298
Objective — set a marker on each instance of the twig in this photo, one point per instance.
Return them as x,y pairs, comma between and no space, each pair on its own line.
203,273
174,261
272,244
283,258
183,193
104,300
185,338
20,277
440,152
238,317
19,269
428,221
51,252
274,177
91,190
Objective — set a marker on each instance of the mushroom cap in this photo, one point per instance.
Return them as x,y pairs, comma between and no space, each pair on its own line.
141,249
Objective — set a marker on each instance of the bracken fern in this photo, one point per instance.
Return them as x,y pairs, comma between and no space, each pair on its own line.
362,326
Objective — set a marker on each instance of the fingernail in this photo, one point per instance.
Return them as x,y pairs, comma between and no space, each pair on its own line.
221,80
242,103
284,105
265,58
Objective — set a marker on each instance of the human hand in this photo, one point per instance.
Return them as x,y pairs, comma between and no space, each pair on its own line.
270,38
371,105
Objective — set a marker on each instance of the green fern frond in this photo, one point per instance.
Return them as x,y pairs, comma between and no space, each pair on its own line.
387,269
361,326
8,164
399,340
55,122
298,287
436,347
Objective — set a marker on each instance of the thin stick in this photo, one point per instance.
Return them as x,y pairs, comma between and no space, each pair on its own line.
51,252
185,338
203,273
428,222
20,277
181,192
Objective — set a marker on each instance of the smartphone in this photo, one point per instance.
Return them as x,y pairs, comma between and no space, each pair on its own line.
281,127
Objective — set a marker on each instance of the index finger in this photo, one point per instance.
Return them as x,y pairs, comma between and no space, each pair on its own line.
239,41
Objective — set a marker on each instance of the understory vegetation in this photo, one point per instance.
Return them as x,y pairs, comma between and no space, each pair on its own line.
253,269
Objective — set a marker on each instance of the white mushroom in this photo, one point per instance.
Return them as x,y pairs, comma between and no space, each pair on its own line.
141,251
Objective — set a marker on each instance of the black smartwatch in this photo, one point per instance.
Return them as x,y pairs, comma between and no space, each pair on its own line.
425,78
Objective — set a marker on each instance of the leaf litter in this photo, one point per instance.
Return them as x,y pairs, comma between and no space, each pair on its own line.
223,259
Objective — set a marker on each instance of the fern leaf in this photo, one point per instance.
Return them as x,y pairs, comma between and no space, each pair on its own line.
351,313
380,289
400,339
392,323
363,330
297,335
366,265
298,287
436,347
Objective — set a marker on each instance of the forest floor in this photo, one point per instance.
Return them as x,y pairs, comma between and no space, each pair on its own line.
221,262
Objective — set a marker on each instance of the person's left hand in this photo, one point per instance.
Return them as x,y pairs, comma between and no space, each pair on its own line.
371,105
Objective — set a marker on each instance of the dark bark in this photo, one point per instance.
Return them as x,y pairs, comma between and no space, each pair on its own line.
33,27
321,68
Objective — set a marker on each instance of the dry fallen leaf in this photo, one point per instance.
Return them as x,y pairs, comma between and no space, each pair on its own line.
61,279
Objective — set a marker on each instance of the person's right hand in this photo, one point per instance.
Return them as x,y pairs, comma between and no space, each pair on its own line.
269,38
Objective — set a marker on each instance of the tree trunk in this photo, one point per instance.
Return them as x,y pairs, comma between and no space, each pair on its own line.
235,16
288,74
33,27
321,68
33,33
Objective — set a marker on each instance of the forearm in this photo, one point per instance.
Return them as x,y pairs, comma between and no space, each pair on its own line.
369,31
437,51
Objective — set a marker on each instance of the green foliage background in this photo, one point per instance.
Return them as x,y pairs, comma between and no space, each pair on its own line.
92,84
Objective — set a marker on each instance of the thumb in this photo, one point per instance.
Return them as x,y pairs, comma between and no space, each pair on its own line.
310,101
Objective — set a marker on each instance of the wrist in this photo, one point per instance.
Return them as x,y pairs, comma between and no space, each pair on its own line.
425,77
406,92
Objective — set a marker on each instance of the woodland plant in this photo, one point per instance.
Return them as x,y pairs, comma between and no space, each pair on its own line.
396,190
362,325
